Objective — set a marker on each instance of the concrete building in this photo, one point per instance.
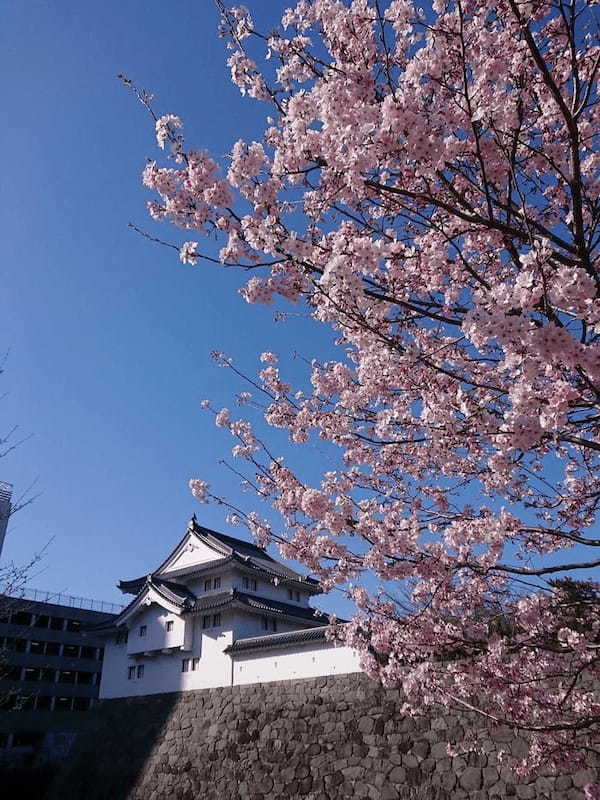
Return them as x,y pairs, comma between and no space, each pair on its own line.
50,666
218,611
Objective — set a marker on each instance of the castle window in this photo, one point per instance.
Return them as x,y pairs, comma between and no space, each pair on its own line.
206,621
185,665
140,671
245,583
297,597
217,583
216,620
207,585
143,630
131,673
169,625
290,594
265,623
274,625
195,663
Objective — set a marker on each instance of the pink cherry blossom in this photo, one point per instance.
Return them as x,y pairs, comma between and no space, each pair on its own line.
426,187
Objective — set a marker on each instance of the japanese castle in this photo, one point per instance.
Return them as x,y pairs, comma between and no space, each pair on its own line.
218,611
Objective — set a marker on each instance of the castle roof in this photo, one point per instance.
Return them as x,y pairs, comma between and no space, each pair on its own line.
235,598
277,640
244,555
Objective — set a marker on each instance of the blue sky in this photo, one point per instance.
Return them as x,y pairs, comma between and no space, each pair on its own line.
109,336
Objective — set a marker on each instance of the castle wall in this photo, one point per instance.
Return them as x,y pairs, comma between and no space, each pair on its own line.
320,739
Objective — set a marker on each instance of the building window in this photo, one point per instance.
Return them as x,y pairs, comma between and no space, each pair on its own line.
88,652
81,703
185,665
217,583
48,675
290,594
56,623
216,620
86,678
297,597
169,625
73,625
70,651
52,648
42,621
21,618
195,663
207,585
274,625
143,630
206,621
37,648
62,703
265,623
131,673
140,671
122,635
66,676
43,702
245,583
31,674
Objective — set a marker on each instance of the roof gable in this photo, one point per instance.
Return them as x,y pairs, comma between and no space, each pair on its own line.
191,551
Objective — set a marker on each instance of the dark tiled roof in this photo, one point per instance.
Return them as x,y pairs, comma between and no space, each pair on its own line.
261,604
278,640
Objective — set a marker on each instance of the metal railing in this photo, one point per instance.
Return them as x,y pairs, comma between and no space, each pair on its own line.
62,599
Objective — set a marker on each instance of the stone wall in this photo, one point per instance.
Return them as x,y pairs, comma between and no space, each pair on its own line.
319,739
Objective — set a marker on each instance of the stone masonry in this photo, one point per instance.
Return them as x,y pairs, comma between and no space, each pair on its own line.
318,739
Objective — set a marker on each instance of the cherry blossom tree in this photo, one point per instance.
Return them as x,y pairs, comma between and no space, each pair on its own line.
427,186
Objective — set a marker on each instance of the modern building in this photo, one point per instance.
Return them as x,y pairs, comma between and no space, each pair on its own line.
218,611
6,491
50,667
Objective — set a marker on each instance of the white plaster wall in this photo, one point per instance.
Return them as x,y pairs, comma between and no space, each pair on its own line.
191,552
155,619
307,661
248,625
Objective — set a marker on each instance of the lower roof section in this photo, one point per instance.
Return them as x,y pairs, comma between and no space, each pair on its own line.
257,604
277,640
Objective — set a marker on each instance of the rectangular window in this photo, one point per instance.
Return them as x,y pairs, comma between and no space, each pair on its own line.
73,625
43,702
21,618
48,675
297,597
245,583
140,671
81,703
185,665
70,650
87,678
207,585
290,594
274,625
52,648
31,674
143,630
216,620
195,663
20,645
42,621
217,583
169,625
131,673
88,652
37,648
206,622
62,703
265,623
66,676
253,585
56,623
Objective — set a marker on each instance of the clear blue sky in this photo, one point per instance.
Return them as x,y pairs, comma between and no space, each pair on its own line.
109,335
